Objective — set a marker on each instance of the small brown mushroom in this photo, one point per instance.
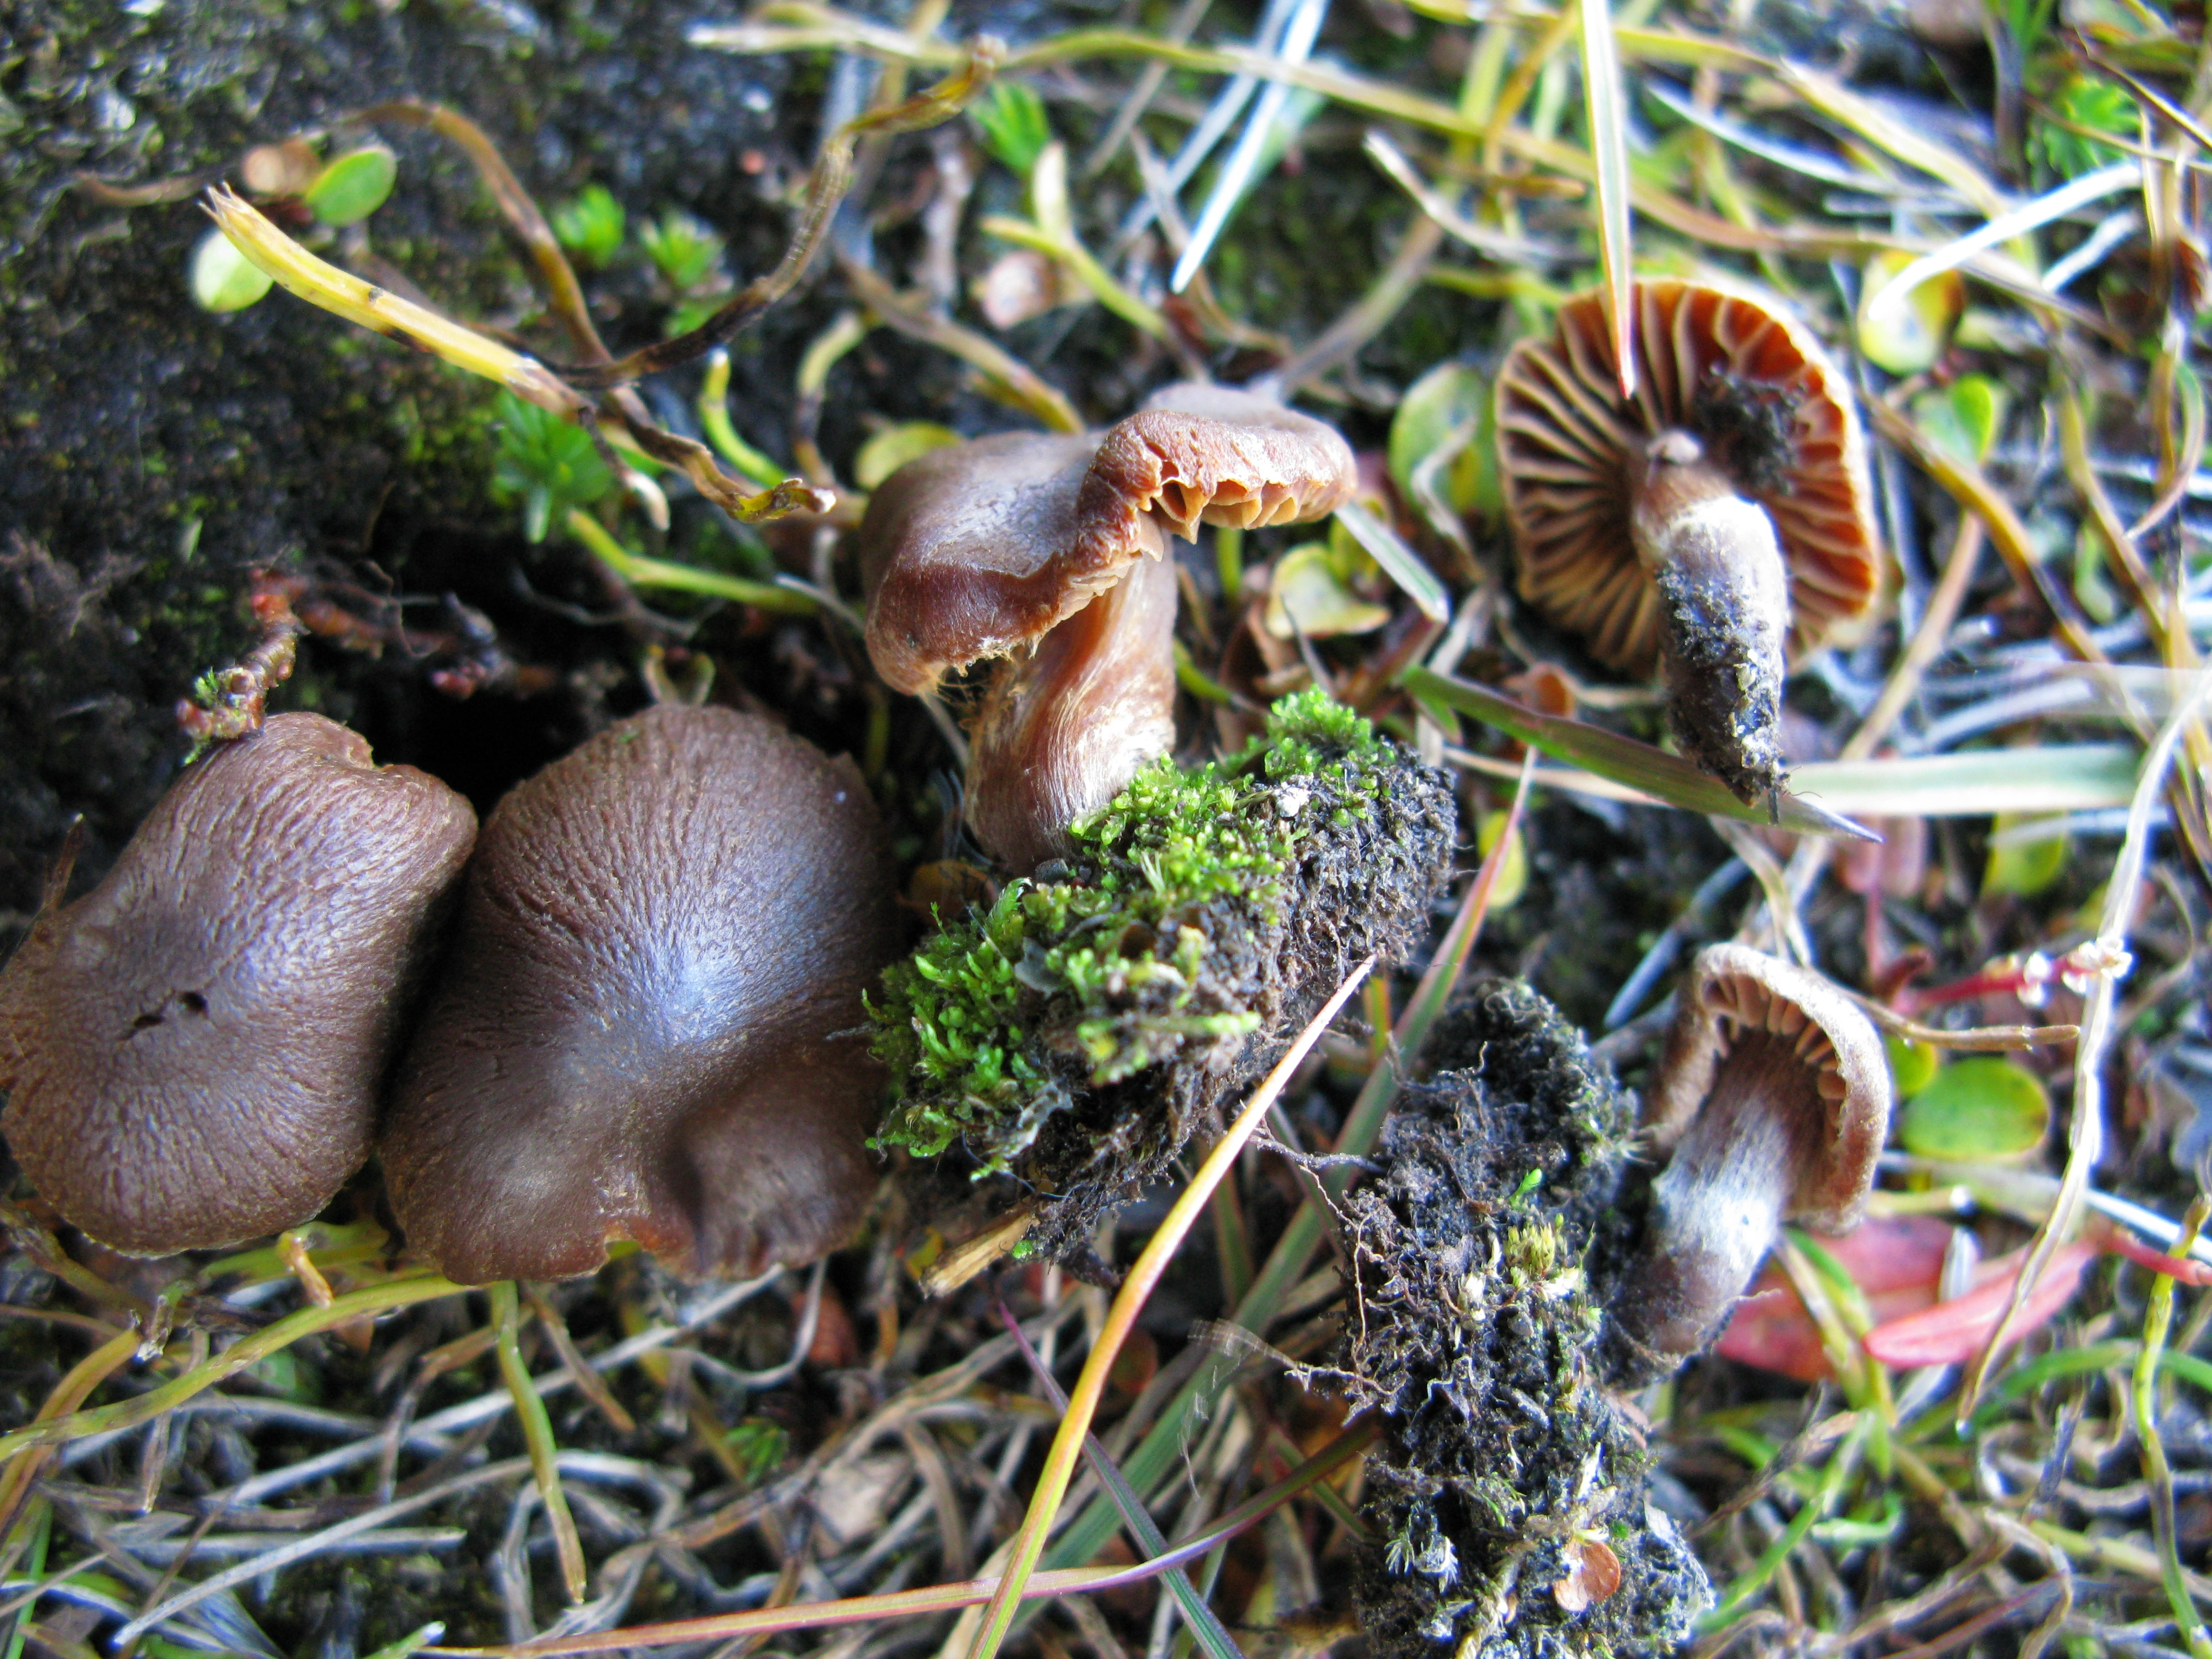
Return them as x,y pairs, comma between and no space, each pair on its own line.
1059,544
194,1049
1714,526
1774,1093
650,1026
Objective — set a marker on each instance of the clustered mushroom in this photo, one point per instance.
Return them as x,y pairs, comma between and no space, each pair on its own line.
650,1026
1053,551
193,1049
1716,525
1774,1096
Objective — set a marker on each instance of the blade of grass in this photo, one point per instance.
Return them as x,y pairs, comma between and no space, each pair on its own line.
248,1351
1638,765
1603,107
2086,1135
639,571
1121,1318
1287,1264
1204,1626
321,284
81,1379
537,1435
2158,1473
1399,560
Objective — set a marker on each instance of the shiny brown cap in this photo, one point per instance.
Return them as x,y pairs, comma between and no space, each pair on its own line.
1733,991
975,550
1758,393
650,1027
194,1049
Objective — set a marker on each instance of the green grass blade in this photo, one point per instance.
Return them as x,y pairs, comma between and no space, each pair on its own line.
1639,766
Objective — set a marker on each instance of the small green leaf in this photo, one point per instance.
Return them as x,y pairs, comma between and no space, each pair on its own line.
1312,595
1908,337
547,464
1912,1066
1441,404
223,279
684,250
589,226
1976,1109
2092,102
352,186
1963,417
1015,128
2024,863
895,446
1513,873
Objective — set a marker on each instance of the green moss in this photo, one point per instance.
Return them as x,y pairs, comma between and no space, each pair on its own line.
1118,948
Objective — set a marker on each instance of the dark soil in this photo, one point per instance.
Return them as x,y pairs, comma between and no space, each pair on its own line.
1506,1466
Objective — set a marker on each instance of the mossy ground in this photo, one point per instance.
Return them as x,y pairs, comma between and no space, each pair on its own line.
1074,1036
1473,1331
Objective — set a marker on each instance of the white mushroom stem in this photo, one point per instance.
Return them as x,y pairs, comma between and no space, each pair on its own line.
1063,729
1718,1205
1724,616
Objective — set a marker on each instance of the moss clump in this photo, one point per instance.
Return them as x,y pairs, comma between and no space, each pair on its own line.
1075,1034
1504,1465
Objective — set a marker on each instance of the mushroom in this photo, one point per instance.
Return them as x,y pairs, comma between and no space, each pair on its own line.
1715,525
1052,550
1774,1094
650,1027
194,1049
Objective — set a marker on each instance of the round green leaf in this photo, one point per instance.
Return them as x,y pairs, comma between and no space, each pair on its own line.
1977,1109
1907,336
2023,866
1434,408
223,278
352,186
1912,1066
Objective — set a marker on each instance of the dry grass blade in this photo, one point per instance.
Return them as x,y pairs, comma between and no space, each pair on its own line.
2086,1138
1605,107
1136,1290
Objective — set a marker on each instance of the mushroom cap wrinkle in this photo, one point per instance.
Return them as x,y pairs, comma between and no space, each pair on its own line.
651,1025
194,1049
1754,388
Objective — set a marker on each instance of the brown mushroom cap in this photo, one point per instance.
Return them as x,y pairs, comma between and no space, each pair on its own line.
194,1049
650,1027
1761,397
1734,994
974,550
983,549
1774,1091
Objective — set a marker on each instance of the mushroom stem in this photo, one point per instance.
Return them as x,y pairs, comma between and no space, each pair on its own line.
1718,1207
1062,730
1724,610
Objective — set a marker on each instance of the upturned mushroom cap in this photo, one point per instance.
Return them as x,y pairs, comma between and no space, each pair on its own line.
1761,399
194,1049
650,1027
1774,1093
974,550
1734,994
988,549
